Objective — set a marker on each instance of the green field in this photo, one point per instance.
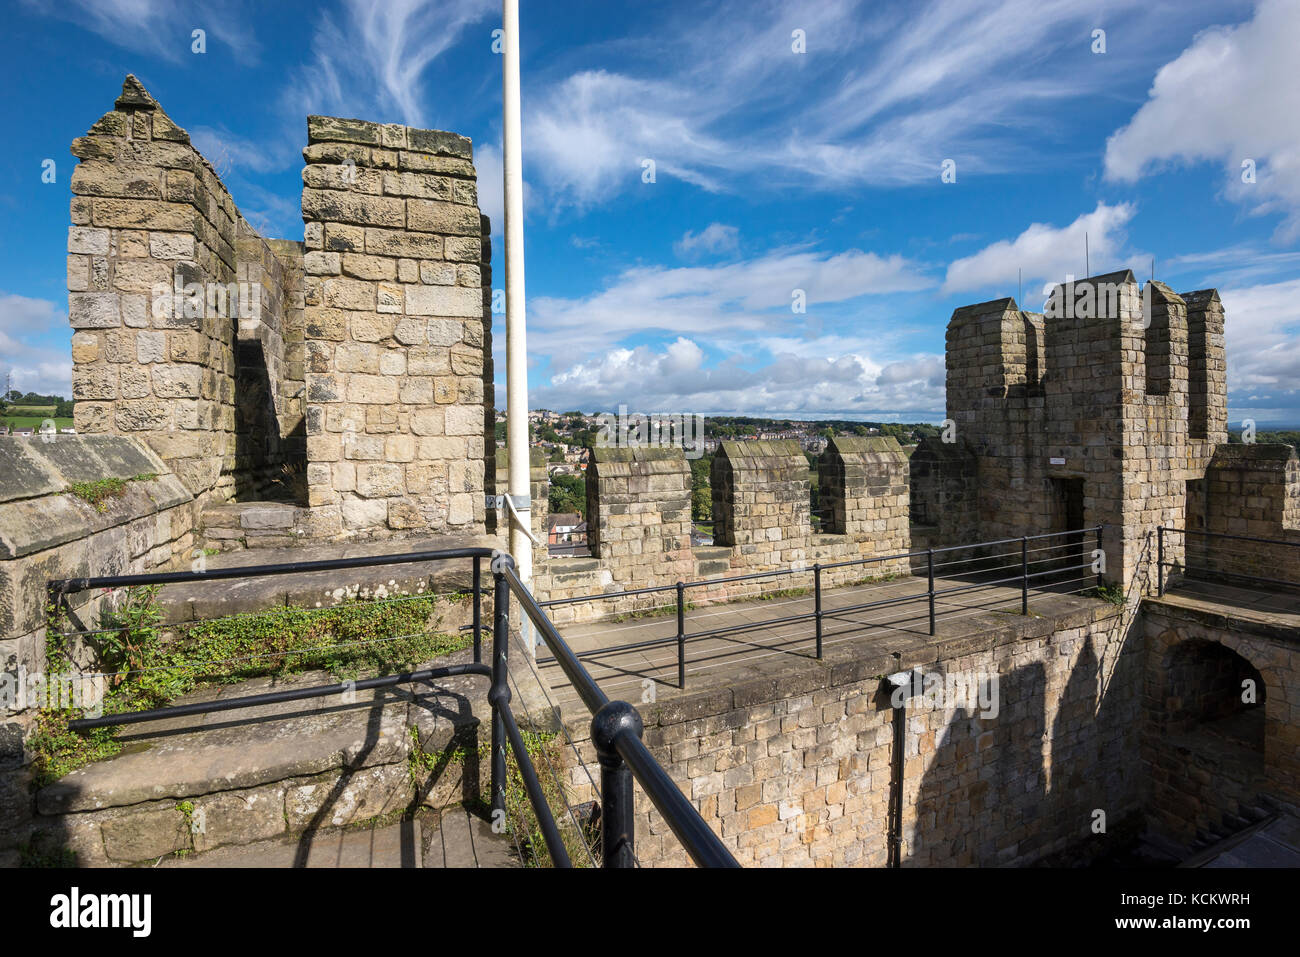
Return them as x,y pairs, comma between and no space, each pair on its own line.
33,421
39,410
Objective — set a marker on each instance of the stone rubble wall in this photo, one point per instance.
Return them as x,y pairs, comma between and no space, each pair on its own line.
396,314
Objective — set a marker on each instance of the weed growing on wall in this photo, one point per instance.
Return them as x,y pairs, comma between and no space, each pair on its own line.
146,670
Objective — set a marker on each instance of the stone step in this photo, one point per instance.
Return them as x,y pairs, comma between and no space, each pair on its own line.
455,839
234,778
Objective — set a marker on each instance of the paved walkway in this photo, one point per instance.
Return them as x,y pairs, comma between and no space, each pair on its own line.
630,673
1273,607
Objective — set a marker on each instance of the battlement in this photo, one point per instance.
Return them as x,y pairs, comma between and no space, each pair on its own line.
1100,410
348,374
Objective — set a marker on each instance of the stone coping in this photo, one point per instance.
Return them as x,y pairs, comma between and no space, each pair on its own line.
192,601
36,511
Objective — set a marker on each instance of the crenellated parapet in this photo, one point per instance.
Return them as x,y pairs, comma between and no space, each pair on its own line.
761,499
639,513
863,485
1100,411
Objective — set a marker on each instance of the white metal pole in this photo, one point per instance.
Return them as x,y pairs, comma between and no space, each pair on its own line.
521,546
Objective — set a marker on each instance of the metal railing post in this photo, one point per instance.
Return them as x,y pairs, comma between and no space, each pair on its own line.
681,636
1160,560
1024,574
929,562
478,610
500,690
817,606
617,810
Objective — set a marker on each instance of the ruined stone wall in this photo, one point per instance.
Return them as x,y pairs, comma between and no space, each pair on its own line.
794,769
395,316
150,218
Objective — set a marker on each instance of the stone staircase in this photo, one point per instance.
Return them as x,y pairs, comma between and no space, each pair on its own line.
380,780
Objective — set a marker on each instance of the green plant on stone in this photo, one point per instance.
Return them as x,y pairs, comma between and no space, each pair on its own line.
354,637
98,492
1111,592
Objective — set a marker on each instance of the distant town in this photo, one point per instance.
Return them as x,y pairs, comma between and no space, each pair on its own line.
565,438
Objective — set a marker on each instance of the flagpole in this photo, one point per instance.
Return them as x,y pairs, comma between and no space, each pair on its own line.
516,340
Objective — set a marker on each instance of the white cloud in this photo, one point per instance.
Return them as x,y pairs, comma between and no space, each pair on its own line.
371,61
884,94
1262,339
714,238
1228,98
35,368
732,302
676,379
1045,253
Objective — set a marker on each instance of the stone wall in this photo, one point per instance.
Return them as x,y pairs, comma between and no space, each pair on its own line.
270,439
47,533
1250,490
794,769
151,270
639,516
1207,775
1099,414
395,316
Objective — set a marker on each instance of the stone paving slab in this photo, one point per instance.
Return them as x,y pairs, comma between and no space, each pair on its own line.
455,839
195,601
396,845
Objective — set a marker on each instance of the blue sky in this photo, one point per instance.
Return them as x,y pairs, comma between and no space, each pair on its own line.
774,171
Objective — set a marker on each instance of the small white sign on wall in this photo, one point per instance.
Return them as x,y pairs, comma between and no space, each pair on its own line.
1056,461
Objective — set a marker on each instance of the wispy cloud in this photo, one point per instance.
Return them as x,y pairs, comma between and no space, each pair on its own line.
371,59
162,28
948,80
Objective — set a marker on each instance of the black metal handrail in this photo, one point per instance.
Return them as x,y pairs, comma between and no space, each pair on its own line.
1161,564
818,615
617,748
616,733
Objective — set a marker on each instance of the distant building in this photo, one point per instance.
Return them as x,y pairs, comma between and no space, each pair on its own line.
564,528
